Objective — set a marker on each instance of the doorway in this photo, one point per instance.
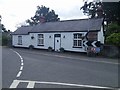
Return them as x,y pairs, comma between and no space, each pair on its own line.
57,42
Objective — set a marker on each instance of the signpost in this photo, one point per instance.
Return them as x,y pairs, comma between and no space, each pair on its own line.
91,43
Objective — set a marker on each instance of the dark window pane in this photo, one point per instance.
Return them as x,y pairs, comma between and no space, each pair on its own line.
20,40
40,35
79,35
75,42
75,36
40,39
79,42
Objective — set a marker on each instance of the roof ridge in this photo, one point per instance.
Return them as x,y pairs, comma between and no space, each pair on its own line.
73,20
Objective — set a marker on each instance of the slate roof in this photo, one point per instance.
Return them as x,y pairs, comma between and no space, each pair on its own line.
78,25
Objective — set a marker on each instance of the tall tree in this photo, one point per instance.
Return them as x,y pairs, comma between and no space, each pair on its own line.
93,9
44,12
112,13
0,18
108,10
2,27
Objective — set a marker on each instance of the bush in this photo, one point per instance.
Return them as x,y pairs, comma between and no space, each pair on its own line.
113,39
112,28
4,40
31,47
61,49
50,49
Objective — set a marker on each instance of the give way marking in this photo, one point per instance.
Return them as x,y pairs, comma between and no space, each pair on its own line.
31,84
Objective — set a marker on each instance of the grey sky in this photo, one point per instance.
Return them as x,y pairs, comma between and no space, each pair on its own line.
15,12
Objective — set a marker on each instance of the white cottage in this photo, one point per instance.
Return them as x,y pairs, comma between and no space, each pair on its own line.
70,35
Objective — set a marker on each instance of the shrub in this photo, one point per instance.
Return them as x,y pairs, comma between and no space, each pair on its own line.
4,40
113,39
112,28
61,49
31,47
50,49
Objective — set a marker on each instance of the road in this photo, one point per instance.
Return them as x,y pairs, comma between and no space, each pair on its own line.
24,68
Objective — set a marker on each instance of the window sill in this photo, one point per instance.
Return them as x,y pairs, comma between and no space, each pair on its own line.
40,45
19,44
77,46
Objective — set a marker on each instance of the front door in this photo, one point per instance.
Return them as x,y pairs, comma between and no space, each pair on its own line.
57,42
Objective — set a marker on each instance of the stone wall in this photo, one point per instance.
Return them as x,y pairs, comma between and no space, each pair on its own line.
111,51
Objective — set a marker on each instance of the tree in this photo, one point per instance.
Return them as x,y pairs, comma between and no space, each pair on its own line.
111,10
112,28
0,18
44,12
93,9
3,28
4,34
108,10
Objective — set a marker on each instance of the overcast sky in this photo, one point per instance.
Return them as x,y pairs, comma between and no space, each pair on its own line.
15,12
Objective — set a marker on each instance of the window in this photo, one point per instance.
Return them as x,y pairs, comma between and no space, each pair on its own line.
77,40
19,40
40,39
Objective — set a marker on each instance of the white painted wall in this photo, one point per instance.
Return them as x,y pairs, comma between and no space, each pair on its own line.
101,36
25,40
66,40
47,41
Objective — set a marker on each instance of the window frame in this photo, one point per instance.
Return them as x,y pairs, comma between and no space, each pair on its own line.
40,39
77,37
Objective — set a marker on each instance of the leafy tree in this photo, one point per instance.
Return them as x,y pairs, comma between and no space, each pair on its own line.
111,10
93,9
44,12
4,34
112,28
108,10
0,18
4,40
3,28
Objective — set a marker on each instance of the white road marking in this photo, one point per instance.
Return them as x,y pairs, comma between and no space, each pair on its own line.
21,60
32,83
19,73
17,53
14,84
21,68
22,64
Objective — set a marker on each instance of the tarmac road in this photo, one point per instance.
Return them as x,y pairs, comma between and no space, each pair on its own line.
24,68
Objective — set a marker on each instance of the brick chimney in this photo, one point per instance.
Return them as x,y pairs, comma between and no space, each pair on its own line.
42,19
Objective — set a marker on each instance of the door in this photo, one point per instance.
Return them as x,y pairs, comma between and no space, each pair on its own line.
57,42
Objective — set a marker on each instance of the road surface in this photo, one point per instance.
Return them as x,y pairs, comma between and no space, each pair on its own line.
24,68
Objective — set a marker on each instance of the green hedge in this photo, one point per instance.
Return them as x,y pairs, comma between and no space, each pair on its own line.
4,40
113,39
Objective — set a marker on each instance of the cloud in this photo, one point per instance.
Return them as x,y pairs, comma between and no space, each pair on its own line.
17,11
